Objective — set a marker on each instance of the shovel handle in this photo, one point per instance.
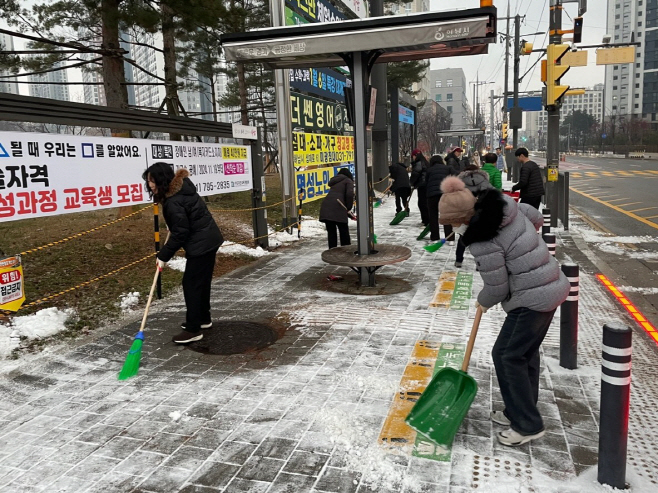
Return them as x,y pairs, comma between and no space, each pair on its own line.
471,339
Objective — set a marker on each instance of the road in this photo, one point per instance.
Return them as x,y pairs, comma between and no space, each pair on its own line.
619,198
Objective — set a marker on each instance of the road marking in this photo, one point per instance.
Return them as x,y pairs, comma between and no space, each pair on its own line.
592,174
612,206
650,217
606,196
617,200
630,203
643,209
625,173
644,173
607,173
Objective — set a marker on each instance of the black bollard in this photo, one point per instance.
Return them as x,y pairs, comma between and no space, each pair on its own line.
550,240
615,402
569,320
546,227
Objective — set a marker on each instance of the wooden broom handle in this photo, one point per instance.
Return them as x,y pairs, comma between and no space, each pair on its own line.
148,303
471,339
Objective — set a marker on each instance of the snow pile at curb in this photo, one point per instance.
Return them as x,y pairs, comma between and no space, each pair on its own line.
177,263
230,248
44,323
128,301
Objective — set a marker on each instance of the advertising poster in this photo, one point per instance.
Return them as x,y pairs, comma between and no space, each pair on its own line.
319,149
314,184
52,174
12,290
310,113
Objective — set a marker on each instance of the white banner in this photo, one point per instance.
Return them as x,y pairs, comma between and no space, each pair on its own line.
52,174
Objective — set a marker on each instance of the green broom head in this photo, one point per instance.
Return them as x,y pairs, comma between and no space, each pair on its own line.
424,233
377,202
131,366
374,239
398,218
435,246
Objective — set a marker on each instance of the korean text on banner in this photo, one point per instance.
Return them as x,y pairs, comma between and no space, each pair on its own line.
52,174
314,184
320,149
12,289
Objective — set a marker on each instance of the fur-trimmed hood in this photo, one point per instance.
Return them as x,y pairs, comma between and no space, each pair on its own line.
181,182
493,211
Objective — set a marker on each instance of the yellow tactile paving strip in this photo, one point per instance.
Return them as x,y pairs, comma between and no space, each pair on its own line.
444,290
396,434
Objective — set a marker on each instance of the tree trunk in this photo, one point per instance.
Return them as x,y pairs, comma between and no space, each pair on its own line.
242,84
169,49
114,77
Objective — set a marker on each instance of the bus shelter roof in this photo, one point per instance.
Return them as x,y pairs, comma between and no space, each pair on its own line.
394,38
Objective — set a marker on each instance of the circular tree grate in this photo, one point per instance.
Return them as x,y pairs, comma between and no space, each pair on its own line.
235,337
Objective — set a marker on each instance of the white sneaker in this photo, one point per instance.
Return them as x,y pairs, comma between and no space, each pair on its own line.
203,326
451,243
514,439
500,418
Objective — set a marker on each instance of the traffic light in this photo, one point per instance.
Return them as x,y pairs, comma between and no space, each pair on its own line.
504,132
577,29
526,48
554,71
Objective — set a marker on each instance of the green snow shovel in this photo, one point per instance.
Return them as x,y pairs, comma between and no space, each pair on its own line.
403,213
424,233
443,405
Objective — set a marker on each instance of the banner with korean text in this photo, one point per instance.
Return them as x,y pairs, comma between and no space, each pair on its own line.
52,174
320,149
314,184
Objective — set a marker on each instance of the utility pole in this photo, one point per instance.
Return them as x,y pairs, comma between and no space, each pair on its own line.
491,124
553,111
508,155
517,61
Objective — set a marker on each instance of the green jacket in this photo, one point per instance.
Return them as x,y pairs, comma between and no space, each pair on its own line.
495,177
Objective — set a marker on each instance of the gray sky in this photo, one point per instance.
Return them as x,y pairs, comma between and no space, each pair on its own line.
491,67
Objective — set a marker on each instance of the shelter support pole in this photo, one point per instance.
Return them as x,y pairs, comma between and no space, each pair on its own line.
258,196
359,69
395,124
380,161
284,127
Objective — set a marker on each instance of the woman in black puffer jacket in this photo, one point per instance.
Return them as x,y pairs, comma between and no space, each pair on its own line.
436,173
191,227
335,207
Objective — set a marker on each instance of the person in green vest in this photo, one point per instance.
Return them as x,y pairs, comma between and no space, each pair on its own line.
495,177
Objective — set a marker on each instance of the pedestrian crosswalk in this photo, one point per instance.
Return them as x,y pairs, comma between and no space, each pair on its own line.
613,174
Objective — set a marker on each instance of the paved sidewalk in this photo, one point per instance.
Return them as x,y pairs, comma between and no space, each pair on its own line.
315,411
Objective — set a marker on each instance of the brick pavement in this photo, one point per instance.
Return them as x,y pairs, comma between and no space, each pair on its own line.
305,413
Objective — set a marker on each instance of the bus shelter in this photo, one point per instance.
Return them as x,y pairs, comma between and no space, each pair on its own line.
360,44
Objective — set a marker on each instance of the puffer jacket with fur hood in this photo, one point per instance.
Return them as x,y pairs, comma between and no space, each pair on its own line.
514,262
191,225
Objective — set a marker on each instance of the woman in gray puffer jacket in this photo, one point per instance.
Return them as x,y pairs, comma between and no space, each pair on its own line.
335,207
518,272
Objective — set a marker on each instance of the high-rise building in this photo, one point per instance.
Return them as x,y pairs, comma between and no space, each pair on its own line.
632,88
49,84
8,83
448,88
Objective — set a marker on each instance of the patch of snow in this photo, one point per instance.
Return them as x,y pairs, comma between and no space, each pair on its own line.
44,323
178,263
128,301
631,289
231,248
175,415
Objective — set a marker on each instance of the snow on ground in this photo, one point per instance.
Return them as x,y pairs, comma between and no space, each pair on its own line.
43,323
631,289
127,301
231,248
177,263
